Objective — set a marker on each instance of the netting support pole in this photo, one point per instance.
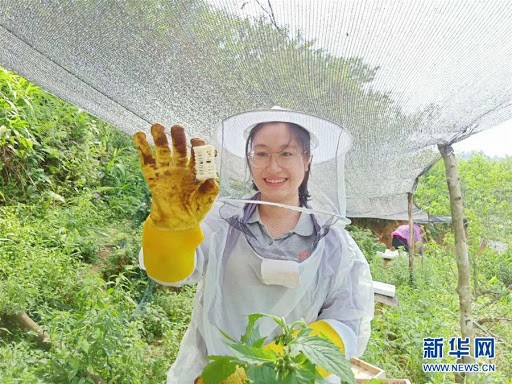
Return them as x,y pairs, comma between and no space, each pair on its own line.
461,247
412,240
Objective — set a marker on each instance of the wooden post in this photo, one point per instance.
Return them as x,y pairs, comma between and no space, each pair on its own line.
412,239
461,247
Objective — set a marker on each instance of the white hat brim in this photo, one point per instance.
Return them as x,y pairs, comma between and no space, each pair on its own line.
328,139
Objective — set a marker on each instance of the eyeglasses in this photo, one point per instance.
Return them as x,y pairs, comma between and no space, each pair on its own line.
285,159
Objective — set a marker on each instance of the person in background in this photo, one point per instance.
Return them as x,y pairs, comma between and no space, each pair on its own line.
400,237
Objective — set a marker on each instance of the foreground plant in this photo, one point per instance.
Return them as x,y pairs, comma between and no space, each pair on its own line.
294,356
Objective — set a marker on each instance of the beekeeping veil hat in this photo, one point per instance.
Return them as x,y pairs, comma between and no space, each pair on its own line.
329,143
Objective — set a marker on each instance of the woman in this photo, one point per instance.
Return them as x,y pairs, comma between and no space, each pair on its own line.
401,235
270,252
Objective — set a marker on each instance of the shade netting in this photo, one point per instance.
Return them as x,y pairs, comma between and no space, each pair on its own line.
401,76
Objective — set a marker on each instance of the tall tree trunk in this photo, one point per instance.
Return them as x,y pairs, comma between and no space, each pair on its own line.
461,247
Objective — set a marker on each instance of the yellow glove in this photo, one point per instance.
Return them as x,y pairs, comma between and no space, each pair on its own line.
171,233
318,328
238,377
323,329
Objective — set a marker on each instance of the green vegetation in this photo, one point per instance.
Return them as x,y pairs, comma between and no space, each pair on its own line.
72,200
293,357
429,306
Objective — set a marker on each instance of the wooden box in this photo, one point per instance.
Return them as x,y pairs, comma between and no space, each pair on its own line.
364,371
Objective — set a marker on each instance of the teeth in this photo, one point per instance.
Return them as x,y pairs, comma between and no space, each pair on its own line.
275,181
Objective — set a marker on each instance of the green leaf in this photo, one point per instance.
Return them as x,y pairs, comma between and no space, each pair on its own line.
305,332
280,321
299,325
306,377
251,355
262,374
325,354
75,364
220,368
259,342
307,368
227,336
252,333
292,378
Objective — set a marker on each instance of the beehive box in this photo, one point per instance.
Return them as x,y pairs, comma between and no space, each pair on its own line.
364,371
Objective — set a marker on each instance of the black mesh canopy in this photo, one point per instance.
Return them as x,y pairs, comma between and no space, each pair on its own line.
400,76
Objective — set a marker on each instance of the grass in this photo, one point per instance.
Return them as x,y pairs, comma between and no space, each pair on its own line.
72,203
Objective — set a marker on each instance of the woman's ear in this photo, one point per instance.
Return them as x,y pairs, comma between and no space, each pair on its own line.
307,163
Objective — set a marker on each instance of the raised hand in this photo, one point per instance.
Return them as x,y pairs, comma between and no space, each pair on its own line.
179,201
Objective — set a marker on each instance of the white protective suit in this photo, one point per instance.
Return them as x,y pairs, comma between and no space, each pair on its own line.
333,284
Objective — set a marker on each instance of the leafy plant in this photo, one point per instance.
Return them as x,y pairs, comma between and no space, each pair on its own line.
299,355
366,240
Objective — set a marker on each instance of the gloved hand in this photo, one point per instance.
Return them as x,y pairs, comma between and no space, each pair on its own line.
179,202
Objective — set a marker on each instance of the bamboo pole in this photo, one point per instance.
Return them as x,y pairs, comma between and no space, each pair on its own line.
461,247
412,239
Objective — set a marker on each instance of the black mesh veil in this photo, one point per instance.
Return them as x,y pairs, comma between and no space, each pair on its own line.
329,144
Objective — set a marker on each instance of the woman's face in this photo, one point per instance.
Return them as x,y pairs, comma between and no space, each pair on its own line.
279,176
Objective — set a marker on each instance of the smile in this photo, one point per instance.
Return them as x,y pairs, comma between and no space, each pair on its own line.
275,181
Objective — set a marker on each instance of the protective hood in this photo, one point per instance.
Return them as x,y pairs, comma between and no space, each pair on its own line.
329,144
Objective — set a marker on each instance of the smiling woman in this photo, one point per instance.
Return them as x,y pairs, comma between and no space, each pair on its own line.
321,144
280,157
279,161
268,251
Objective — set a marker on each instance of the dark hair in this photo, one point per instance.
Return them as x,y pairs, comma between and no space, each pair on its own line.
303,138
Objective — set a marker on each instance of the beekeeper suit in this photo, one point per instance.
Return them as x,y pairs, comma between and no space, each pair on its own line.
194,236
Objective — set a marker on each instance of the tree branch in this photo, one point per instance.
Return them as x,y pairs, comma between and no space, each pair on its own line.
270,13
488,332
23,321
500,295
484,320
